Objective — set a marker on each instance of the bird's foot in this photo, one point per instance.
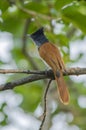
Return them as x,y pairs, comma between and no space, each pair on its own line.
58,73
65,72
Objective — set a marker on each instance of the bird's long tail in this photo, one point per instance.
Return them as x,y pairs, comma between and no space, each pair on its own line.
62,89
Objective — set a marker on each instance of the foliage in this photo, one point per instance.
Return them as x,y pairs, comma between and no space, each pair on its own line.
71,16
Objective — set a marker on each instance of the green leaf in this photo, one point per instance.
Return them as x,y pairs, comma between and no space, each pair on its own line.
38,7
73,15
4,4
62,39
61,3
12,22
17,54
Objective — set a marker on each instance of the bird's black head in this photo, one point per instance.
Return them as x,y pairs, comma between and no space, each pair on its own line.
38,37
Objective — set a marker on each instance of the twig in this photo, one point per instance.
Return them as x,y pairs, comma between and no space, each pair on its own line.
24,38
45,104
71,32
69,71
75,71
6,71
38,75
29,79
24,48
34,14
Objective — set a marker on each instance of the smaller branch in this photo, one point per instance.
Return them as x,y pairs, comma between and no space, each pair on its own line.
24,38
37,75
33,13
75,71
6,71
24,47
45,104
29,79
71,32
49,73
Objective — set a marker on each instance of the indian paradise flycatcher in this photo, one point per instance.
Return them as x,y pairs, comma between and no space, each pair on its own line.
51,55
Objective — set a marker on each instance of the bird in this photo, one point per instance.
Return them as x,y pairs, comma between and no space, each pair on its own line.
51,55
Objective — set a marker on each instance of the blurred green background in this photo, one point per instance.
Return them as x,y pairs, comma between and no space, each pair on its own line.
65,26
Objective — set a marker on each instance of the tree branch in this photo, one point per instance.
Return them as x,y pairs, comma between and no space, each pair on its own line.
45,105
34,14
6,71
36,75
69,71
28,79
24,47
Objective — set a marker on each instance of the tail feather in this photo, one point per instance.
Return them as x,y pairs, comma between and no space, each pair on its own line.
62,89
